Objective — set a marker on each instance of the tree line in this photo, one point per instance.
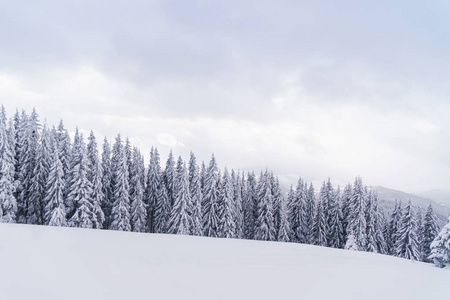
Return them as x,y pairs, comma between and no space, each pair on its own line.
46,178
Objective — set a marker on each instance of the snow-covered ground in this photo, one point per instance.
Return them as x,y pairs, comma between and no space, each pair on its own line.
41,262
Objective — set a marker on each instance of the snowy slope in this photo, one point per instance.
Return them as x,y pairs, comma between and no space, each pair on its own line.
66,263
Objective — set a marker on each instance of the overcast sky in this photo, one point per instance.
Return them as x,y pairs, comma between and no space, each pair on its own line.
317,90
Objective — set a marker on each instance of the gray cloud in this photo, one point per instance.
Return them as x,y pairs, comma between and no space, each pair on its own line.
318,89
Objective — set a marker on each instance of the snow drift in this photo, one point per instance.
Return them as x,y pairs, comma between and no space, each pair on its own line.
40,262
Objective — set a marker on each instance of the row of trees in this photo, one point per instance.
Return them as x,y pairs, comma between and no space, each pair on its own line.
48,179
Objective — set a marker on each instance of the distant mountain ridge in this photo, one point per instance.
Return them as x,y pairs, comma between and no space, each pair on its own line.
440,196
388,196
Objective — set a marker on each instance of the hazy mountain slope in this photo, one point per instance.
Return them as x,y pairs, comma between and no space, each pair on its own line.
41,262
387,199
441,197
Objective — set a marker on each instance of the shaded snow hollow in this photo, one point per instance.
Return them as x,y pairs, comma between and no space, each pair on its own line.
40,262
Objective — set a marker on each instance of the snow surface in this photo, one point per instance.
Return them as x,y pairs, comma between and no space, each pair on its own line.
40,262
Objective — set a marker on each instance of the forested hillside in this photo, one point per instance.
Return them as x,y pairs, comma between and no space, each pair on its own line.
50,179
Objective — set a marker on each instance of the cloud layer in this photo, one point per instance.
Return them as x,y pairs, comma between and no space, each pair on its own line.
315,90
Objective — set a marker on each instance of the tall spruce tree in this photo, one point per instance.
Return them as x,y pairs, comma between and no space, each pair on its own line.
180,221
430,232
74,161
406,244
440,247
237,184
120,213
264,227
294,217
308,215
162,210
8,204
106,183
28,143
64,147
393,226
36,205
210,204
283,234
55,211
249,206
80,189
370,222
345,208
153,187
169,178
419,234
335,238
196,196
138,207
357,218
227,224
381,226
319,226
94,175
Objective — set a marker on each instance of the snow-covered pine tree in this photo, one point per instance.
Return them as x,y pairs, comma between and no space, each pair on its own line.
129,157
16,121
393,226
290,212
237,203
319,226
326,196
152,186
275,202
335,238
196,196
106,183
210,204
94,175
74,161
264,227
120,213
227,225
278,203
202,175
180,221
10,208
308,214
156,198
28,143
283,234
80,189
55,211
440,247
63,142
357,220
8,204
371,219
419,233
138,207
381,226
345,208
249,189
169,178
324,199
305,217
293,207
36,205
162,210
430,232
406,245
